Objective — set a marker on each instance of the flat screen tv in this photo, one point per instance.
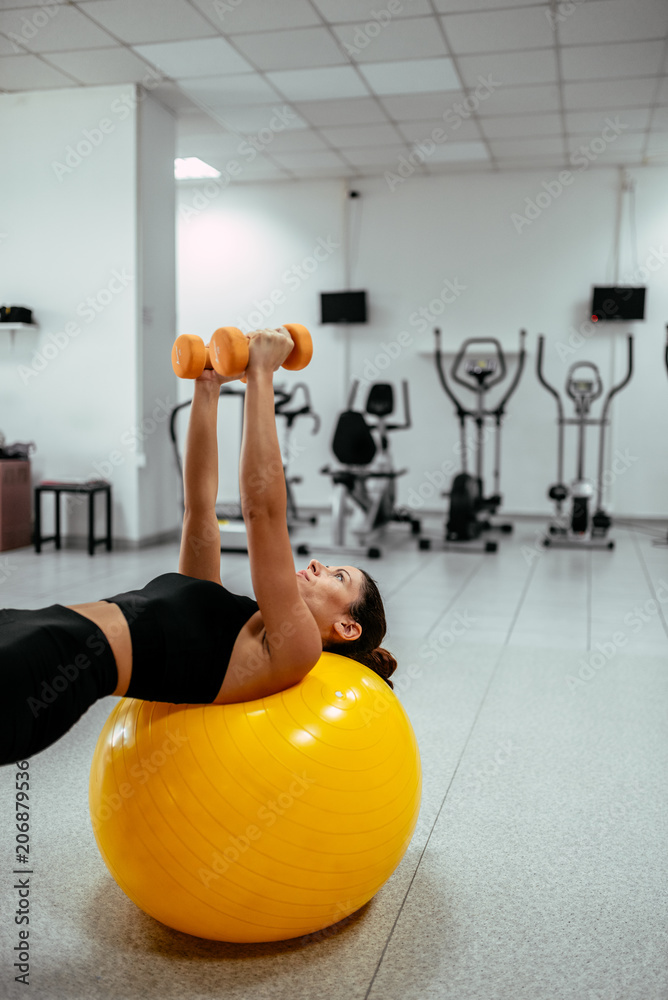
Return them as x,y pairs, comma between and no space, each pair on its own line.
624,303
343,307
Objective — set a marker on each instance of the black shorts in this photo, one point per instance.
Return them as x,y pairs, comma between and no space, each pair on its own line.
54,664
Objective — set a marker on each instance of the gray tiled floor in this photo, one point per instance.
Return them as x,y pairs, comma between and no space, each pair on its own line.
538,869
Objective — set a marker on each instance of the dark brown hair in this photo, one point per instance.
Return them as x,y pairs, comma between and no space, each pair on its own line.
368,611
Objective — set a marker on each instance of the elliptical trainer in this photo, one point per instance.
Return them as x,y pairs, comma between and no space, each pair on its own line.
467,499
583,385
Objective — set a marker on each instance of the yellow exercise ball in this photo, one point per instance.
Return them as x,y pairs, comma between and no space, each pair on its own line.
263,820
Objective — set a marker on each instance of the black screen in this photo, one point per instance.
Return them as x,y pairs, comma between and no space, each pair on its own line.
343,307
625,303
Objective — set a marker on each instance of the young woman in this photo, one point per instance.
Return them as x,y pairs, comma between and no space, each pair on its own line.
184,638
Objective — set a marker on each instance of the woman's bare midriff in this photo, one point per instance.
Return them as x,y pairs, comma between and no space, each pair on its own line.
111,620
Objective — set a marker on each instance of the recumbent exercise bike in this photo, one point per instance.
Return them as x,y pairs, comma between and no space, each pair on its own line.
366,475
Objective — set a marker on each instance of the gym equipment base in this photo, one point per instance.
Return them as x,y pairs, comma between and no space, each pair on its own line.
565,539
479,544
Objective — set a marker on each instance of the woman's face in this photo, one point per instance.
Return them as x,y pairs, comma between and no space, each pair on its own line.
329,591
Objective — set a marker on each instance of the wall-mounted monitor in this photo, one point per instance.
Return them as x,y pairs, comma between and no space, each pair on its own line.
622,303
343,307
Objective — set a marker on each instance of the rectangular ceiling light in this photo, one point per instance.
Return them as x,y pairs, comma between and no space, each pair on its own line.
190,168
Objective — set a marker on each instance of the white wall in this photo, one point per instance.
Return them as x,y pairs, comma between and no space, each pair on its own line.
69,181
240,245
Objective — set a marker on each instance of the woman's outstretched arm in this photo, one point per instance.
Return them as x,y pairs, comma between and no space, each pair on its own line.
292,636
200,539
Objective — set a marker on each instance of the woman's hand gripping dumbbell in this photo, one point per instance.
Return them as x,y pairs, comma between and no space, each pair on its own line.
227,352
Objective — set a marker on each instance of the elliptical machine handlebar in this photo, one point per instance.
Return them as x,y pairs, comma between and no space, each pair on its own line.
460,357
462,411
282,399
591,394
501,407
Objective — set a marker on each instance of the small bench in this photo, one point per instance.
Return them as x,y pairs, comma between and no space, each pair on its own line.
89,488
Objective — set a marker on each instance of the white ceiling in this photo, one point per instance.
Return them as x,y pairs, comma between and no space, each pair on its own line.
347,88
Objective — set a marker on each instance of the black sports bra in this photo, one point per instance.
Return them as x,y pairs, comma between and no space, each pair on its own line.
183,631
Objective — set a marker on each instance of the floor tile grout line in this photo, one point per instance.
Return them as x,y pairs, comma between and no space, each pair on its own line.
650,582
590,584
389,595
453,776
454,598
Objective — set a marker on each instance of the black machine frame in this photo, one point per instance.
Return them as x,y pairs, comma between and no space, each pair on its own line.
464,525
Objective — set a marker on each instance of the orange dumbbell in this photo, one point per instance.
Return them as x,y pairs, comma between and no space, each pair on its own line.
227,352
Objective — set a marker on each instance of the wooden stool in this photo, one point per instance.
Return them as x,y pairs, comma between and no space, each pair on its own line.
91,488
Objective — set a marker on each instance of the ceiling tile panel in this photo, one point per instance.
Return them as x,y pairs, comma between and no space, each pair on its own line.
591,122
496,31
610,93
598,21
607,62
411,76
416,37
319,84
510,68
137,21
464,6
518,100
117,65
521,126
202,57
308,159
356,111
339,11
542,146
459,151
250,119
258,15
53,28
299,48
419,131
362,135
30,73
241,88
387,156
406,107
